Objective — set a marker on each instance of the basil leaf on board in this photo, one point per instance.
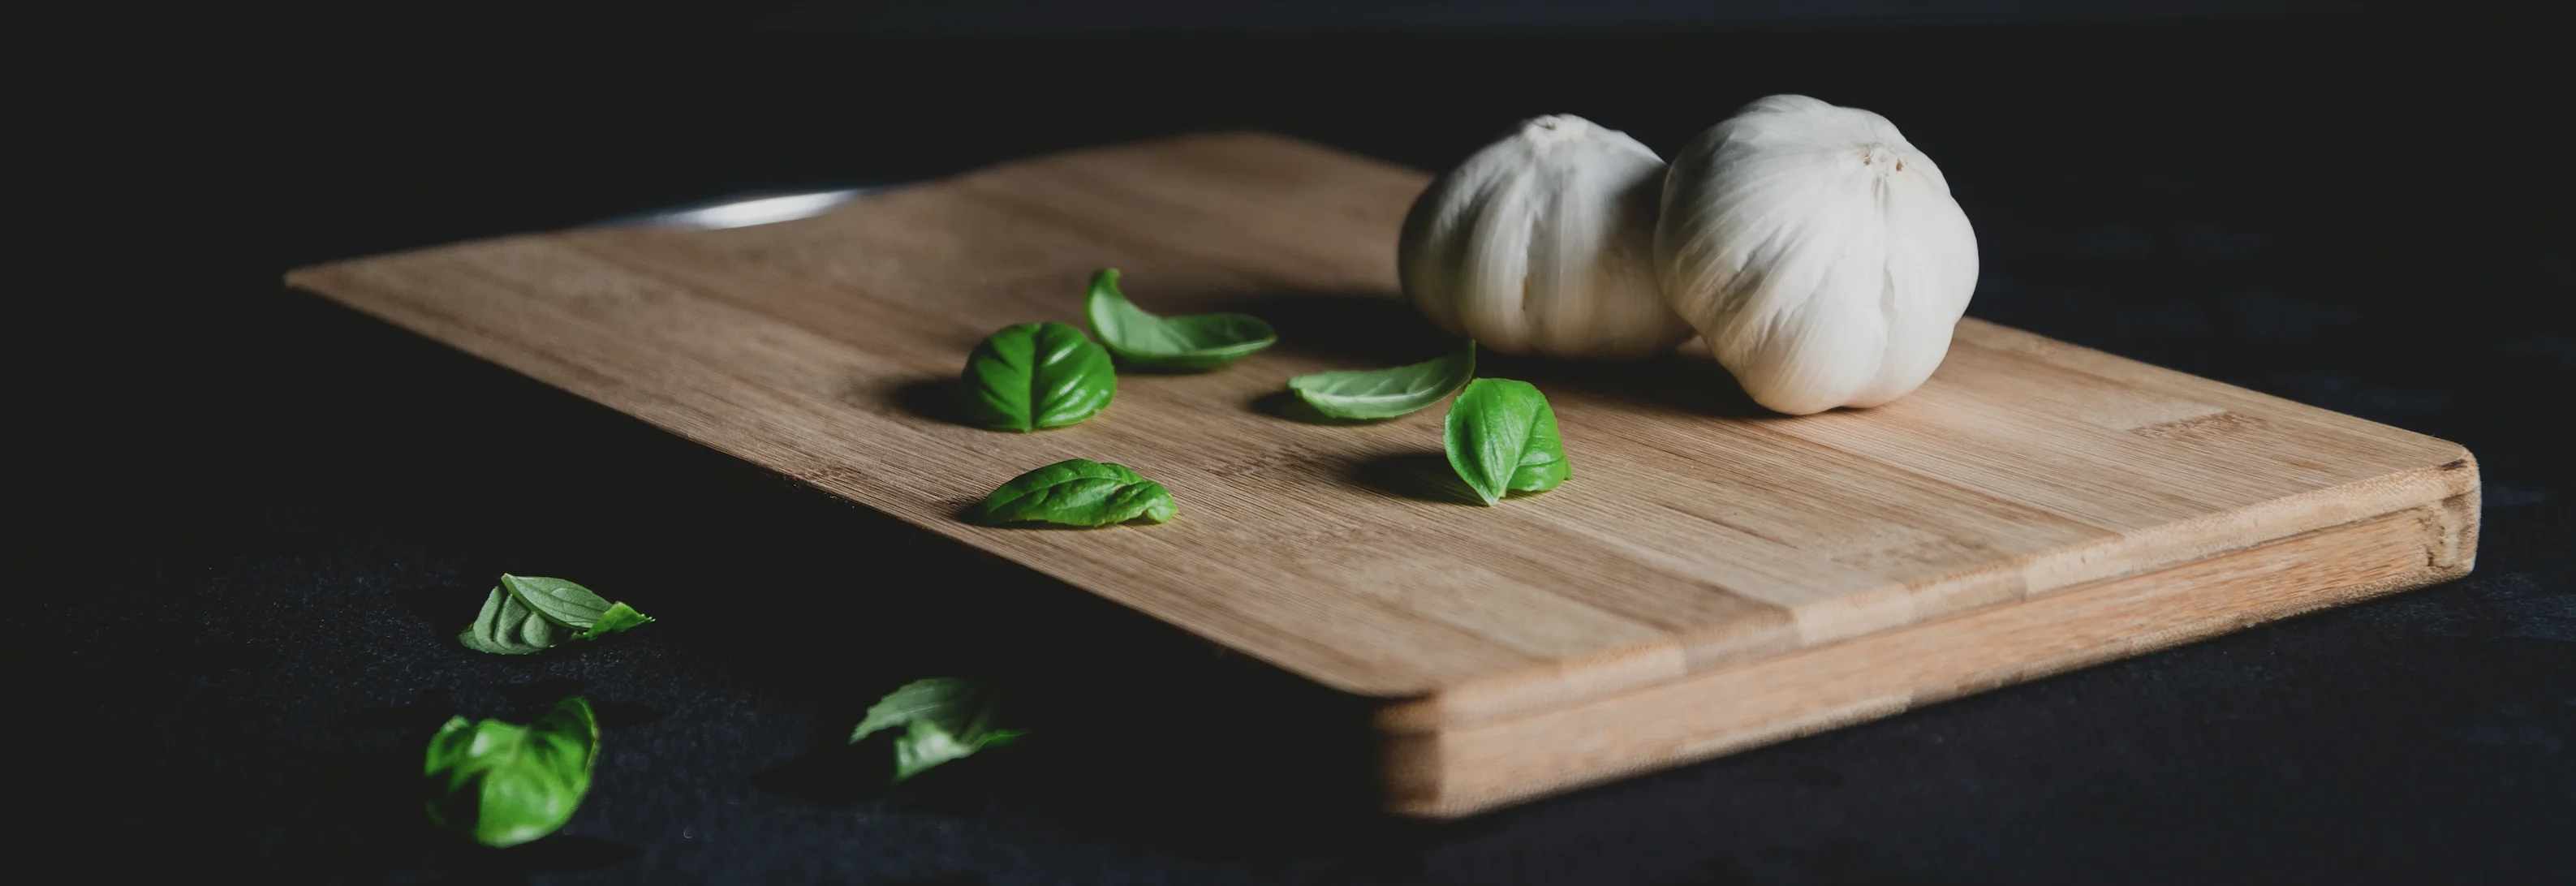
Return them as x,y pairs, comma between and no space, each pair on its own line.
531,614
1076,492
1386,393
942,718
508,627
1194,341
503,784
1037,375
1502,438
572,606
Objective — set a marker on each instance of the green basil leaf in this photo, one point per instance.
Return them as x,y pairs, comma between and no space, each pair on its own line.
942,718
1037,375
1076,492
1194,341
619,617
571,605
503,784
508,627
1386,393
1502,438
531,614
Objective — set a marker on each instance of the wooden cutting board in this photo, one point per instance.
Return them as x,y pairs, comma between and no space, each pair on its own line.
1712,578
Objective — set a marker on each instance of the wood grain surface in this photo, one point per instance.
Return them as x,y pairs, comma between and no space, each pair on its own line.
1712,576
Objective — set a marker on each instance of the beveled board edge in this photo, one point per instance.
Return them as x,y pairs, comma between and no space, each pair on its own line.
1436,771
2164,547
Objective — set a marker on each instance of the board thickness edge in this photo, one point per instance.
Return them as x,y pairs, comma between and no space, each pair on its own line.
1440,772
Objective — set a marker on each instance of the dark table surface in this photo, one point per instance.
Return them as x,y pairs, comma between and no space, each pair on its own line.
249,522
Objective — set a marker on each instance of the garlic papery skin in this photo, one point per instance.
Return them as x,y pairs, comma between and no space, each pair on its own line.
1543,243
1817,251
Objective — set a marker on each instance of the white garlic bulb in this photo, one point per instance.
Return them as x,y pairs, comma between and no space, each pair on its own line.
1818,253
1543,243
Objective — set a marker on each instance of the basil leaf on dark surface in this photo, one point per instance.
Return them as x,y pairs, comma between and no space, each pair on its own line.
1036,375
1193,341
619,617
1502,439
508,627
942,718
531,614
572,606
1076,492
1386,393
503,784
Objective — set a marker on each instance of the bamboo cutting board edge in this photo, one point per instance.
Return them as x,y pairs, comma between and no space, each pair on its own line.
1433,771
1546,687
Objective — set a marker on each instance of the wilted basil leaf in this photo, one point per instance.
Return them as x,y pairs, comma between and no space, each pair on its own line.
531,614
1502,438
1037,375
943,718
1386,393
1076,492
503,784
1194,341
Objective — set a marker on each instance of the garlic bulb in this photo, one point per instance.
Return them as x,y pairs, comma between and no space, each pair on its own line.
1543,243
1818,253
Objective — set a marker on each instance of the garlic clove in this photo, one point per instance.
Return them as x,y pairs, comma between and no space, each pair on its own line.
1818,252
1543,243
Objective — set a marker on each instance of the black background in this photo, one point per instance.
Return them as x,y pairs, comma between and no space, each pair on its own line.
248,522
